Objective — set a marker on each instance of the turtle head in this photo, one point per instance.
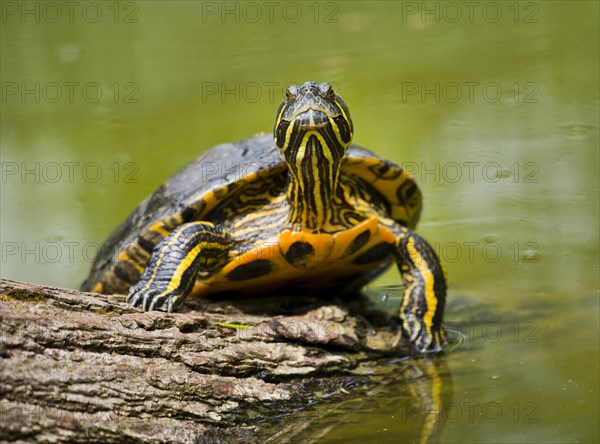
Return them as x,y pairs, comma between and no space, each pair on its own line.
312,116
313,130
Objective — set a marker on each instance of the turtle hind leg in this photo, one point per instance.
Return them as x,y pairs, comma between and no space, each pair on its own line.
424,299
173,267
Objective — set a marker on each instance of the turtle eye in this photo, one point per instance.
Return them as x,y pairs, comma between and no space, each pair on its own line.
326,90
291,93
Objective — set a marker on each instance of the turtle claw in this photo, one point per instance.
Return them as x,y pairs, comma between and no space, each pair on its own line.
134,296
166,301
151,299
420,339
171,304
412,327
433,344
144,297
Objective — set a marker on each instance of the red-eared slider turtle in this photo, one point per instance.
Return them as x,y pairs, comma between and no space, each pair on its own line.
307,212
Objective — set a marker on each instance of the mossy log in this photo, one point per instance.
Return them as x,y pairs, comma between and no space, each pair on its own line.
85,367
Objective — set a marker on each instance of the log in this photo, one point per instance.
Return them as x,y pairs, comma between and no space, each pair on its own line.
86,367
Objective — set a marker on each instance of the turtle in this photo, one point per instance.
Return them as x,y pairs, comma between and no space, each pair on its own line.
302,210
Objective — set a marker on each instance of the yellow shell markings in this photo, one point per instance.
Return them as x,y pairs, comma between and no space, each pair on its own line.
98,288
387,186
127,256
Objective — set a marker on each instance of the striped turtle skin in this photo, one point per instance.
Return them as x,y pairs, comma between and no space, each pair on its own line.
302,212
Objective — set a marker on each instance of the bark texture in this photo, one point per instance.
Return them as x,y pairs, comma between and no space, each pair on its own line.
84,367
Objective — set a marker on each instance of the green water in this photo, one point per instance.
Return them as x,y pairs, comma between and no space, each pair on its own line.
493,106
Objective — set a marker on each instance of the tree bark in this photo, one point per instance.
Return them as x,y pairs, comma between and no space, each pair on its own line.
83,367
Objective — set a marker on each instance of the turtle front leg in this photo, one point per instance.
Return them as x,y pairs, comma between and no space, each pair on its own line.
424,278
171,272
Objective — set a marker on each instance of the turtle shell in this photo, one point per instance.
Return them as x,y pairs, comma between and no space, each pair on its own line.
196,189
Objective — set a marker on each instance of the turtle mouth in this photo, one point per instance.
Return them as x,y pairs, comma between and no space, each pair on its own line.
311,119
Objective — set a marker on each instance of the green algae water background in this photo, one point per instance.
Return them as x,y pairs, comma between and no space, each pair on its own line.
493,107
